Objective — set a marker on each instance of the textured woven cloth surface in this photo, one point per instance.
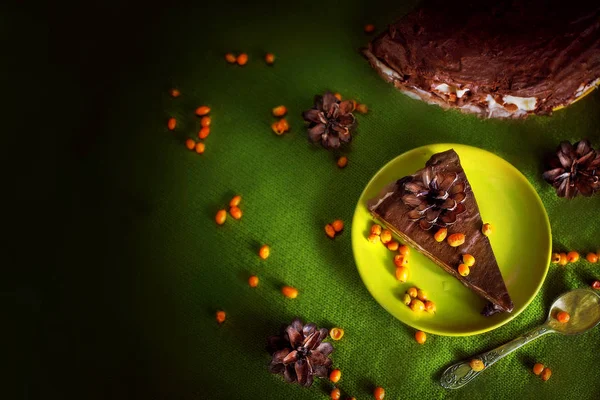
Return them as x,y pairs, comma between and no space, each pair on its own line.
128,310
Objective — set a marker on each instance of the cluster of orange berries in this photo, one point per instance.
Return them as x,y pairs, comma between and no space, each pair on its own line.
334,228
384,236
542,371
234,210
563,259
242,58
281,126
418,300
205,122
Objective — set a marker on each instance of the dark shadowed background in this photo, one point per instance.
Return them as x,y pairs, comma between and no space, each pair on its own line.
114,265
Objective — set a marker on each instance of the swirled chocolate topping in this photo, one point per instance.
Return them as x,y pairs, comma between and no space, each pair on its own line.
497,59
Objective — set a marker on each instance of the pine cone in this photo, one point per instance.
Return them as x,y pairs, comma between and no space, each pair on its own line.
331,121
575,169
436,200
299,353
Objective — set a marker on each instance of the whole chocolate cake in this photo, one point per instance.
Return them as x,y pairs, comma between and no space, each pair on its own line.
503,59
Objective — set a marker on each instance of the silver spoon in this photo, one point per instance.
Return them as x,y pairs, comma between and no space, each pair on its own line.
583,305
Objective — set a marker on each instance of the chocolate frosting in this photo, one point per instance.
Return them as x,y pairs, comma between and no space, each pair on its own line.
485,278
533,49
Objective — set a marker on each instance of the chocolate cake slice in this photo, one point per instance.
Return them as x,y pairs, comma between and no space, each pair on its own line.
440,196
503,59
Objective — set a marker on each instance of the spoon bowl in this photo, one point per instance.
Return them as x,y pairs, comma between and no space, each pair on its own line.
583,306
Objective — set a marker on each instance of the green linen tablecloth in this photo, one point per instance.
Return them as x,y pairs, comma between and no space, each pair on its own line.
127,266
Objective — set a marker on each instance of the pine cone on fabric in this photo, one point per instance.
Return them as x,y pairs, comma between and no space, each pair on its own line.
331,121
299,353
575,169
437,199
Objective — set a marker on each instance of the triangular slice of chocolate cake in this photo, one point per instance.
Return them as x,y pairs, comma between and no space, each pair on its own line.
440,196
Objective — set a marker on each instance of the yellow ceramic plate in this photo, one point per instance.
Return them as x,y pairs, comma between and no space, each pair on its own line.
521,243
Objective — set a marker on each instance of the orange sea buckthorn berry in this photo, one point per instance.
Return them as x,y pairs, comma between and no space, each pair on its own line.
270,58
563,259
563,317
477,365
456,239
369,28
202,110
404,250
393,245
386,236
235,212
335,394
220,316
280,127
440,235
421,295
264,252
338,96
279,111
253,281
205,121
230,58
538,368
342,161
592,257
335,375
284,124
175,93
546,374
242,59
200,147
379,393
430,307
190,144
420,337
417,305
487,229
374,238
338,225
289,292
235,201
402,274
376,229
171,124
336,333
204,132
412,292
464,270
572,256
330,231
400,260
555,258
275,127
362,108
220,217
468,260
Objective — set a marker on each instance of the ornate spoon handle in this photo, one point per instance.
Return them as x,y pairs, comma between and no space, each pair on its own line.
460,374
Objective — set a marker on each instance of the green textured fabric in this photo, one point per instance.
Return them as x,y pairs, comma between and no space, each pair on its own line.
127,307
